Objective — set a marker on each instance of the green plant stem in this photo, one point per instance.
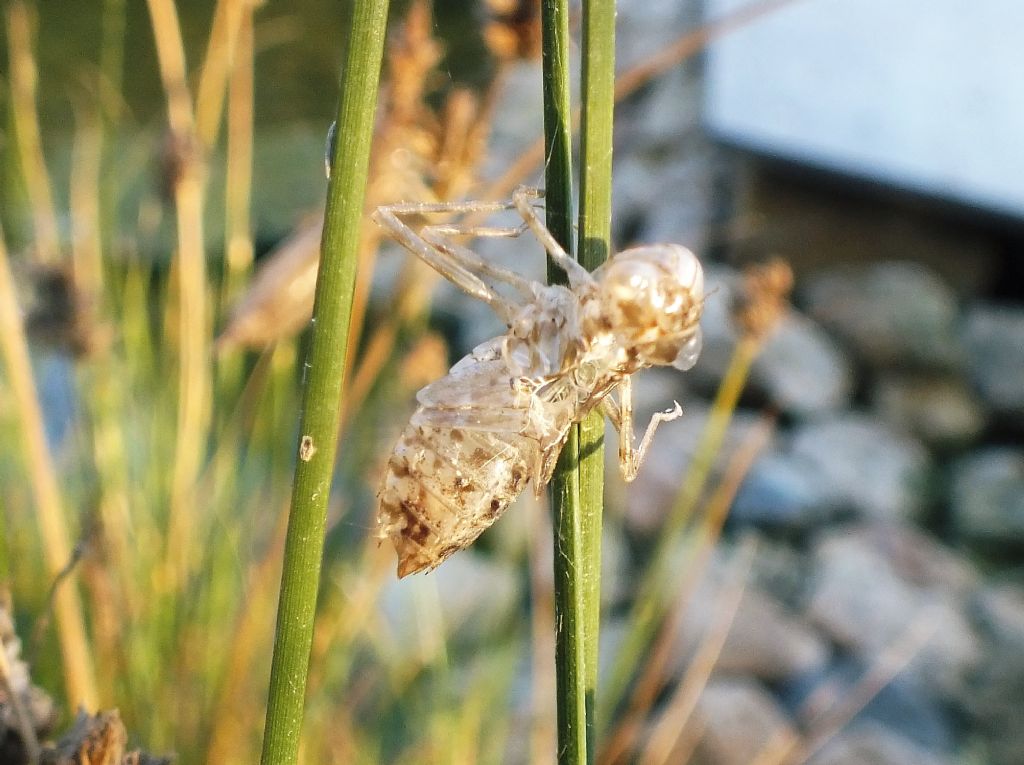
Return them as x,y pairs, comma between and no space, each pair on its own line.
111,64
557,127
324,376
570,625
596,118
597,115
28,143
649,606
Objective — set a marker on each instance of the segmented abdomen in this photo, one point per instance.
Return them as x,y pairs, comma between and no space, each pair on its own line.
443,487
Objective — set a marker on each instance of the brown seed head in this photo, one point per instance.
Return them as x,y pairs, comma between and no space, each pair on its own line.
763,299
514,29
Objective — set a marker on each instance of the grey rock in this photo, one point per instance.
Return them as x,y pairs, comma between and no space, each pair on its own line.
665,187
765,640
642,26
858,599
998,611
768,642
740,718
720,283
518,112
649,498
893,314
801,368
998,687
873,585
643,183
864,464
994,339
902,704
782,570
660,124
988,495
1005,741
655,390
921,560
942,411
870,743
781,491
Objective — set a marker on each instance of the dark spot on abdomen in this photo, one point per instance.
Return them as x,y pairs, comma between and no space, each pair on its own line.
414,529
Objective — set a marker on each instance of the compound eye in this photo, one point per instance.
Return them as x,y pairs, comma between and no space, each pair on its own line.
629,280
688,354
690,273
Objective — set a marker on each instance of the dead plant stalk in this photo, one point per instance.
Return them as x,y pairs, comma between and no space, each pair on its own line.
79,675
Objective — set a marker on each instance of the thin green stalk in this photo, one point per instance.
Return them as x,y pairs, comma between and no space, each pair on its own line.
217,65
238,244
5,560
28,143
109,108
324,370
112,35
190,309
101,390
557,127
649,606
598,108
570,636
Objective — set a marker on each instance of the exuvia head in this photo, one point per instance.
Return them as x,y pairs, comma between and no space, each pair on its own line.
651,298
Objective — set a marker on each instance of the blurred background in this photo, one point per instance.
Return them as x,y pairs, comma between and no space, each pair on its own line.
844,582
